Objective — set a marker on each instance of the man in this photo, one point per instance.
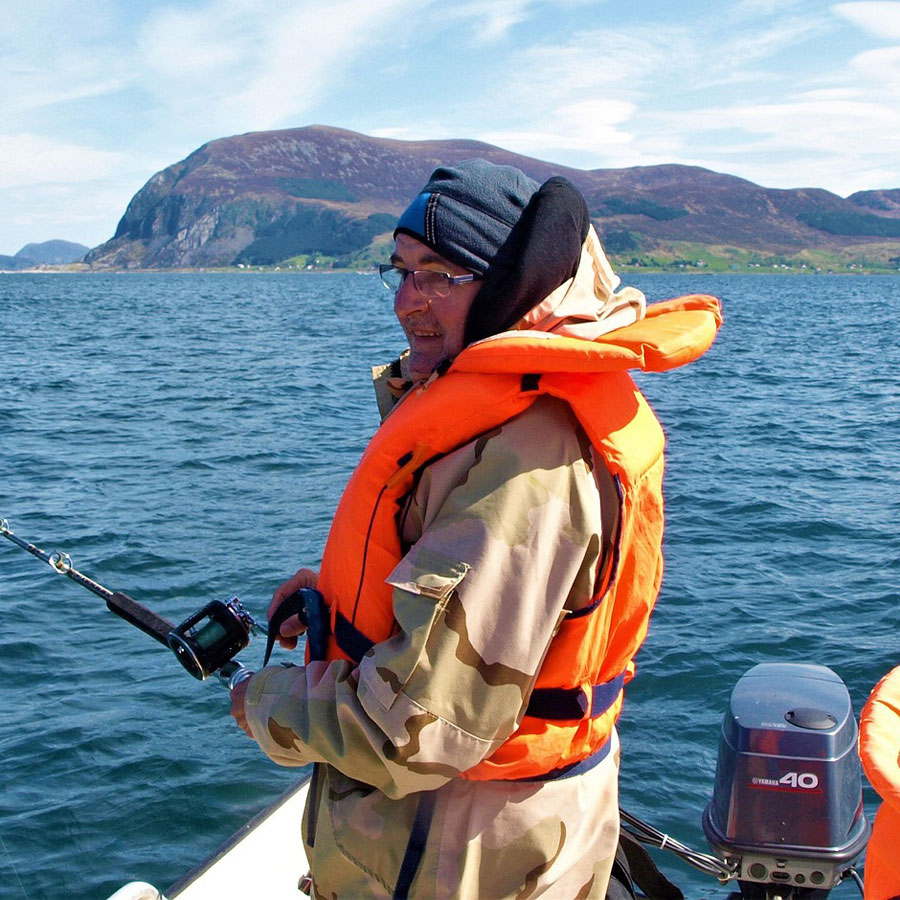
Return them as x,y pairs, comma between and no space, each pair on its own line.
492,563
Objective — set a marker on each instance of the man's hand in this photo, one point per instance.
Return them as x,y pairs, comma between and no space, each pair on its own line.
292,628
238,695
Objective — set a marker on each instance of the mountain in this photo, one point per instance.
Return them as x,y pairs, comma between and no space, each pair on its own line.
10,264
885,202
52,253
266,197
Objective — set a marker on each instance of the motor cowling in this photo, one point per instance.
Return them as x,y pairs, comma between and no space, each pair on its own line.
787,802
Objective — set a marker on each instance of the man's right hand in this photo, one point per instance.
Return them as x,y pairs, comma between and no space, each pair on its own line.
292,628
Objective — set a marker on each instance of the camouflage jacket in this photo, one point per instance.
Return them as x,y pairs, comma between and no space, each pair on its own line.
511,525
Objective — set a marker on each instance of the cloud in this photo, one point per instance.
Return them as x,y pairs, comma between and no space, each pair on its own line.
666,65
738,52
571,129
30,159
598,58
879,68
197,44
641,96
811,138
579,101
232,64
489,22
818,122
300,63
591,99
85,212
569,101
33,90
764,8
55,53
878,18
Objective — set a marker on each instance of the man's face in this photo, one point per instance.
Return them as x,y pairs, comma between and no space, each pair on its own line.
434,326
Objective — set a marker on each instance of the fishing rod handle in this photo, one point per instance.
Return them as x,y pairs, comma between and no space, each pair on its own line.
233,673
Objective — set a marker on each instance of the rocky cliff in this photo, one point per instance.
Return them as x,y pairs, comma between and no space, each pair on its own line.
264,197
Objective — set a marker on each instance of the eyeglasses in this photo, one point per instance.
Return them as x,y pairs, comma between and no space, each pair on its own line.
427,282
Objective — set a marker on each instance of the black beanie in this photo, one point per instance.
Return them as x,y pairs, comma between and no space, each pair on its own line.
466,212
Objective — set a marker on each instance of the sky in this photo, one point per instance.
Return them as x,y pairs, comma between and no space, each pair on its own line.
97,96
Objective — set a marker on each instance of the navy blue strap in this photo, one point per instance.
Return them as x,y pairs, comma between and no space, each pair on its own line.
319,626
415,847
554,704
312,804
575,768
604,695
560,704
350,639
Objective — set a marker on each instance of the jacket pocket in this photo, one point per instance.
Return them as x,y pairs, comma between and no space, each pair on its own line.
426,573
369,829
419,599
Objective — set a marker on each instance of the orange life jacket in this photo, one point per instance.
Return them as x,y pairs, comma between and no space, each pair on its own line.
578,691
879,750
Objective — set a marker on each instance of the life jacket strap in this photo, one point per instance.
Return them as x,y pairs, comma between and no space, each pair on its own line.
554,704
350,639
560,704
415,847
579,767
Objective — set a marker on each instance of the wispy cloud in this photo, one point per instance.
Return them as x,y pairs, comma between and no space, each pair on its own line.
53,188
55,53
258,65
743,51
626,95
574,131
30,159
33,90
878,18
810,139
639,95
879,68
487,22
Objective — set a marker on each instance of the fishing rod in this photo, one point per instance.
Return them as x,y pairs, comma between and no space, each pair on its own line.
206,642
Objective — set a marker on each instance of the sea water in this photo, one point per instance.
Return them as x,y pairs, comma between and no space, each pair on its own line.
186,437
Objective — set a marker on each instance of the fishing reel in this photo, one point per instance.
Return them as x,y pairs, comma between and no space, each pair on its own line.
212,637
206,642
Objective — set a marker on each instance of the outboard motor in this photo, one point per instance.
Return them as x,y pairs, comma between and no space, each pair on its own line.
787,804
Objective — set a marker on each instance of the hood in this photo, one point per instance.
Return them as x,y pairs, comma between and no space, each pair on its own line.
587,305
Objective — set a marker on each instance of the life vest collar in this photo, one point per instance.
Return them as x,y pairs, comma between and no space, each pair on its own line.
673,333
